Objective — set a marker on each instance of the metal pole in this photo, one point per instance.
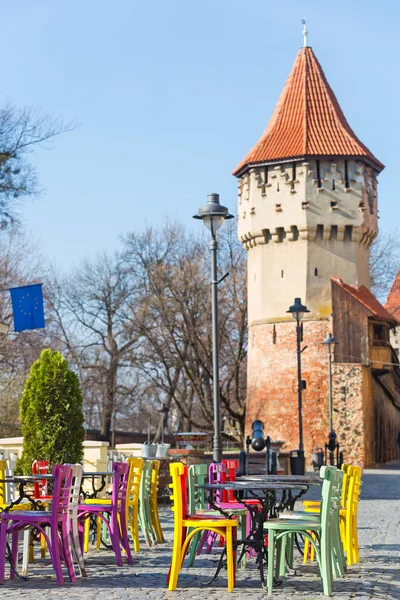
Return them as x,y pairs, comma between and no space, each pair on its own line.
330,390
299,384
217,445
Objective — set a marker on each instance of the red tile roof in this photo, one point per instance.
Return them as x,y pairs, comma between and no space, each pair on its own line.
367,299
392,304
307,121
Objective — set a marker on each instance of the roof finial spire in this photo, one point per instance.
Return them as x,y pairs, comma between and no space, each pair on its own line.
305,32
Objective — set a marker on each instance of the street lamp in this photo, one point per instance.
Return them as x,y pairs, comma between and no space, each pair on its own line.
332,444
297,311
213,216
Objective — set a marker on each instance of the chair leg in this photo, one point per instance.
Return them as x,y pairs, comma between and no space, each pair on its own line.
77,547
115,539
125,538
99,523
26,551
14,552
54,550
67,552
43,545
326,563
271,557
176,560
134,526
3,540
86,530
230,559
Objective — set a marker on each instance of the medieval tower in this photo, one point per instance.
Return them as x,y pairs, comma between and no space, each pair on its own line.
307,212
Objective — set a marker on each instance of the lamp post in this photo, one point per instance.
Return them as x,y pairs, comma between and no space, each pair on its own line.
332,444
213,216
297,311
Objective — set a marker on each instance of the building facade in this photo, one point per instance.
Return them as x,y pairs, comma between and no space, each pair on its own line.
307,212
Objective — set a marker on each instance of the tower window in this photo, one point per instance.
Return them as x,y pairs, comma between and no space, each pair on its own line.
316,272
333,184
282,273
265,175
320,232
348,233
318,173
346,174
334,230
293,175
334,205
277,186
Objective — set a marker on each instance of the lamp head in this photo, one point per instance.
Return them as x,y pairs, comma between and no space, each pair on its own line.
213,214
298,309
329,341
258,438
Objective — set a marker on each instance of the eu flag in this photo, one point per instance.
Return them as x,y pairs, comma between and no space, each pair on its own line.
27,303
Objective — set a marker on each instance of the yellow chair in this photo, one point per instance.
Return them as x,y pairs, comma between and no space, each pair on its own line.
226,528
3,503
135,473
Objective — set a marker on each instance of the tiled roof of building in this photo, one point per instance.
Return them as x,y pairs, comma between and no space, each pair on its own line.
392,303
367,299
307,121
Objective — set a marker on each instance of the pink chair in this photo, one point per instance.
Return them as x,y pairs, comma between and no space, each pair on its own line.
116,513
11,523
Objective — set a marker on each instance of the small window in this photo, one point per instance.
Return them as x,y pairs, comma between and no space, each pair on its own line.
333,184
316,272
348,233
334,232
334,205
346,174
380,333
282,274
320,232
303,384
277,186
293,176
319,183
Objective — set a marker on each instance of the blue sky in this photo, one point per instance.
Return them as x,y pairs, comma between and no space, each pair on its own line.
171,95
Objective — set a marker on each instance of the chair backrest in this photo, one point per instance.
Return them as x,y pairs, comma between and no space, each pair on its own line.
120,485
145,482
178,497
216,472
355,474
60,507
231,467
3,467
155,476
196,474
11,460
75,489
135,474
331,493
40,467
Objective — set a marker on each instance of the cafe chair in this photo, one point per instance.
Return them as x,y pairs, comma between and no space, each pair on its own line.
112,514
52,525
319,532
197,524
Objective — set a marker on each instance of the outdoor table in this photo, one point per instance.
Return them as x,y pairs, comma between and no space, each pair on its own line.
22,481
273,498
93,475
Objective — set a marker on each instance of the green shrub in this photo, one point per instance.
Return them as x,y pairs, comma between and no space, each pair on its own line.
51,413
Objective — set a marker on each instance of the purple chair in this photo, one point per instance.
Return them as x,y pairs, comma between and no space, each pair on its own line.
11,523
116,522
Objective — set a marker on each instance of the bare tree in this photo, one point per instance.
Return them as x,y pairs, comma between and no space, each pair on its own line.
384,262
91,310
175,353
21,130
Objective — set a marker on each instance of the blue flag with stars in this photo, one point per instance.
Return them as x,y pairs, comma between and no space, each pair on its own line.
27,303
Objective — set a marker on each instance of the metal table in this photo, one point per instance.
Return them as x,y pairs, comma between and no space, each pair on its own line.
22,480
273,497
92,475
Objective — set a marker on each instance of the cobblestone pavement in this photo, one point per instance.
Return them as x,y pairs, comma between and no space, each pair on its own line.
377,576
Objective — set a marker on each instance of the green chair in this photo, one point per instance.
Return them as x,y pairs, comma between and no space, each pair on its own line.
319,531
144,504
198,475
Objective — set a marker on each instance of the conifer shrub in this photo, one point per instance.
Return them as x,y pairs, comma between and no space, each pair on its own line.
51,413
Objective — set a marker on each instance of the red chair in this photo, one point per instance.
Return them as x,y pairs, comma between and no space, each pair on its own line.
40,467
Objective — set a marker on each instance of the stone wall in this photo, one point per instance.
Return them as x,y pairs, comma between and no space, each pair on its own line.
272,382
348,411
